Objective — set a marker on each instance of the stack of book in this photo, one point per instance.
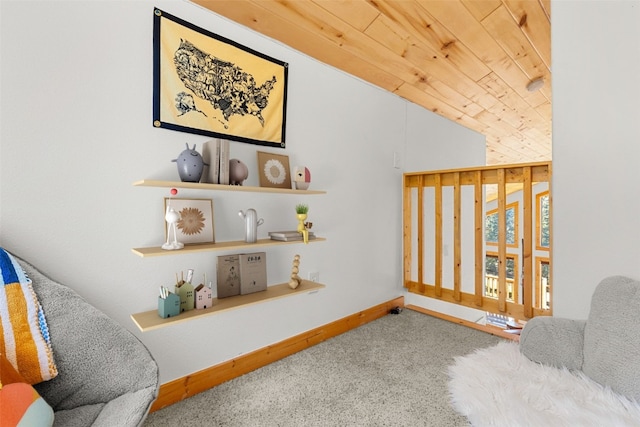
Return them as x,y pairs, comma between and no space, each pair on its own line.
289,236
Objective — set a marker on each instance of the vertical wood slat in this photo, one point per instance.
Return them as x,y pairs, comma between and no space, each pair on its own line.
406,218
527,243
420,218
438,235
502,242
478,238
457,239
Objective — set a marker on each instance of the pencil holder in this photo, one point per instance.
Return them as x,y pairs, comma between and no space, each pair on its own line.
169,306
203,297
185,293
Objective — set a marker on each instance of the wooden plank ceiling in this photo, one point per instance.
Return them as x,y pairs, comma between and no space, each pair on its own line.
467,60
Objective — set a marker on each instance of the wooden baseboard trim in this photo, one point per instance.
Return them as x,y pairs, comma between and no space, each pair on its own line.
183,388
493,330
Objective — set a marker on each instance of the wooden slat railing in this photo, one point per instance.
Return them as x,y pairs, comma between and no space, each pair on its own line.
417,205
491,287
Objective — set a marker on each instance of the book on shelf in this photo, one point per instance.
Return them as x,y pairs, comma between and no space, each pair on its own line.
288,233
215,152
228,275
289,236
224,162
253,272
211,155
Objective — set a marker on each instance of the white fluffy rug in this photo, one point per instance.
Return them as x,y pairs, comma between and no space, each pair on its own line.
497,386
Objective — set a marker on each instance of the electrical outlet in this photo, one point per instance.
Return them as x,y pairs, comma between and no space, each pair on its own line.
314,276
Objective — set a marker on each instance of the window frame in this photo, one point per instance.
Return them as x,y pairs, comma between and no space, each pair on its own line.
539,197
516,225
537,303
516,283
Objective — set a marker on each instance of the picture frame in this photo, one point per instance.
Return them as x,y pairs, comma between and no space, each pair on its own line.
196,220
208,85
273,170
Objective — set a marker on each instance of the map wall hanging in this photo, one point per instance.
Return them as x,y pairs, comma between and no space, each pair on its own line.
206,84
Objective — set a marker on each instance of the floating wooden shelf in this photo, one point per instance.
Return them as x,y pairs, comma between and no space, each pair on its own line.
150,320
221,246
220,187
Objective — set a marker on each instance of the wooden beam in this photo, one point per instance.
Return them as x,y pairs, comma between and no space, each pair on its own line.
468,300
457,236
438,234
406,238
527,244
478,238
502,241
420,234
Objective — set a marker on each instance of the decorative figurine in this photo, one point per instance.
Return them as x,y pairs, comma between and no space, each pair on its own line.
190,165
185,291
301,177
251,223
238,172
172,217
203,295
168,304
303,227
295,279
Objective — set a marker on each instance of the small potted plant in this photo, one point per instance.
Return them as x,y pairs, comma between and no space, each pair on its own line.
301,213
302,209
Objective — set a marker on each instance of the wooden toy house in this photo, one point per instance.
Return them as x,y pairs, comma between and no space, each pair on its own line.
185,290
169,306
203,297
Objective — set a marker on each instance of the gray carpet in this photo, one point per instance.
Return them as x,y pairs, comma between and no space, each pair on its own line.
390,372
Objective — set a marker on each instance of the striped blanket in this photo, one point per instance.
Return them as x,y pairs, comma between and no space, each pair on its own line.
24,336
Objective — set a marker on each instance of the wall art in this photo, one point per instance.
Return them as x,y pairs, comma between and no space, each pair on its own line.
273,170
208,85
196,220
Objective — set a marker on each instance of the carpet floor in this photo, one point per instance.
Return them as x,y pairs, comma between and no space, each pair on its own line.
389,372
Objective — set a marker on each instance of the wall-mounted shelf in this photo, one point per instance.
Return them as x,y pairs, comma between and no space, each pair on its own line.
150,320
220,187
221,246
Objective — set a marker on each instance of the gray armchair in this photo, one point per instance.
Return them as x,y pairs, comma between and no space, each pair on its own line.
605,347
106,376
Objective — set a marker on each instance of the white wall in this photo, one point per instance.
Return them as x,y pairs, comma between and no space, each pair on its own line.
596,148
76,133
434,142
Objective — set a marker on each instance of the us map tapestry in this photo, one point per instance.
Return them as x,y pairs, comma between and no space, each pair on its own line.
206,84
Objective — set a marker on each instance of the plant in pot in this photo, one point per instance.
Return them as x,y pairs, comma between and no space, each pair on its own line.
301,214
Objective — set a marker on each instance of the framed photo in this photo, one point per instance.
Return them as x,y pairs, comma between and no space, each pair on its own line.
206,84
196,220
273,170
